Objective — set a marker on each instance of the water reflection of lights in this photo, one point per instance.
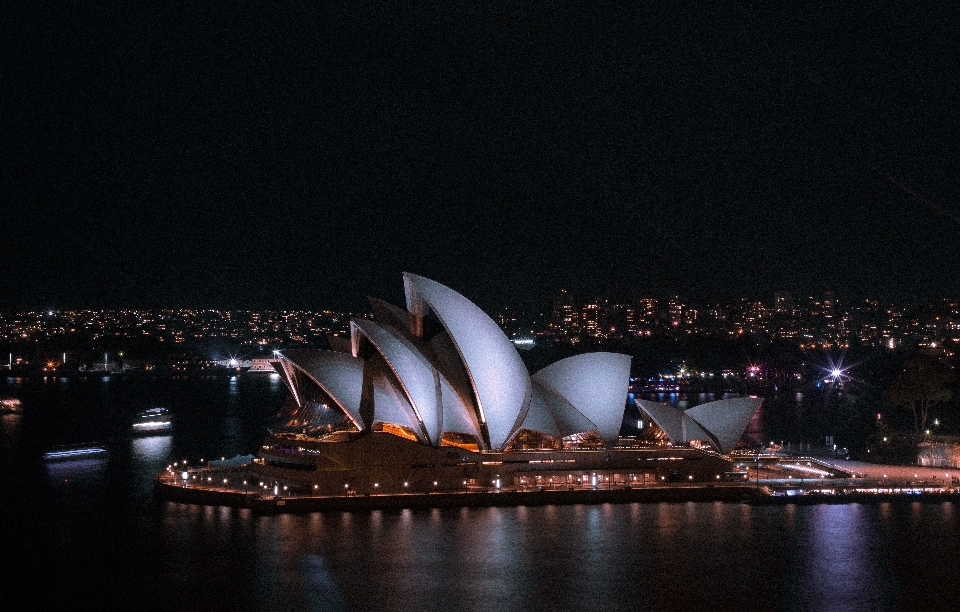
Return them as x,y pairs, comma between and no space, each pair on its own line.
78,469
152,448
839,540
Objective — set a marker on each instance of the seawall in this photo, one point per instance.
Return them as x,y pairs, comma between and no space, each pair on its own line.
303,504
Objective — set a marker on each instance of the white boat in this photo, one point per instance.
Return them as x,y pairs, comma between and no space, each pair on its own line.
153,421
69,453
10,405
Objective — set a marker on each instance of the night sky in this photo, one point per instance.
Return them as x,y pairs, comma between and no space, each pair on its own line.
303,154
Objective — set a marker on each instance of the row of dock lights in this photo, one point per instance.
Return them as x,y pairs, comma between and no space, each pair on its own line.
595,478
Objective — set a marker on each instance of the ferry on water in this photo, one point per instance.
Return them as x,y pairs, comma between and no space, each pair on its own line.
10,405
153,421
77,451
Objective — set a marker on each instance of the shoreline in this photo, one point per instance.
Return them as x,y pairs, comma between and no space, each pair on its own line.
294,504
302,504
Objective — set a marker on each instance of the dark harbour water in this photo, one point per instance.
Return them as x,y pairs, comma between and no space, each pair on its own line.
87,535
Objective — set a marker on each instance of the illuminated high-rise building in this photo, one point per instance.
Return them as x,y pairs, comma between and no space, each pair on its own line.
829,304
590,318
675,310
783,302
565,319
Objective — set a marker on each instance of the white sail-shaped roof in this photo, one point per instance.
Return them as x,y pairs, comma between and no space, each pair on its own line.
386,313
551,414
499,379
721,422
674,422
667,418
286,371
726,419
338,374
390,405
418,379
462,376
457,417
596,385
538,417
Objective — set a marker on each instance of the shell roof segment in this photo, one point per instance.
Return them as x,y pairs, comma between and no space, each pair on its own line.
416,376
721,422
726,419
551,414
667,418
338,374
674,422
596,385
457,417
497,374
392,406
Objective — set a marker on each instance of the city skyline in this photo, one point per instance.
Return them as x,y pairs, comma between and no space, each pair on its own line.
808,322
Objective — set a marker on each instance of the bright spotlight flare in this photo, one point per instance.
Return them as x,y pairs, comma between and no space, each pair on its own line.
836,371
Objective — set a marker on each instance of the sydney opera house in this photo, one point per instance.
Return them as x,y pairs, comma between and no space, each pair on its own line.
435,397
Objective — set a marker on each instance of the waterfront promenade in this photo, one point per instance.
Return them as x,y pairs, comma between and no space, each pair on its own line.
900,473
170,488
236,486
